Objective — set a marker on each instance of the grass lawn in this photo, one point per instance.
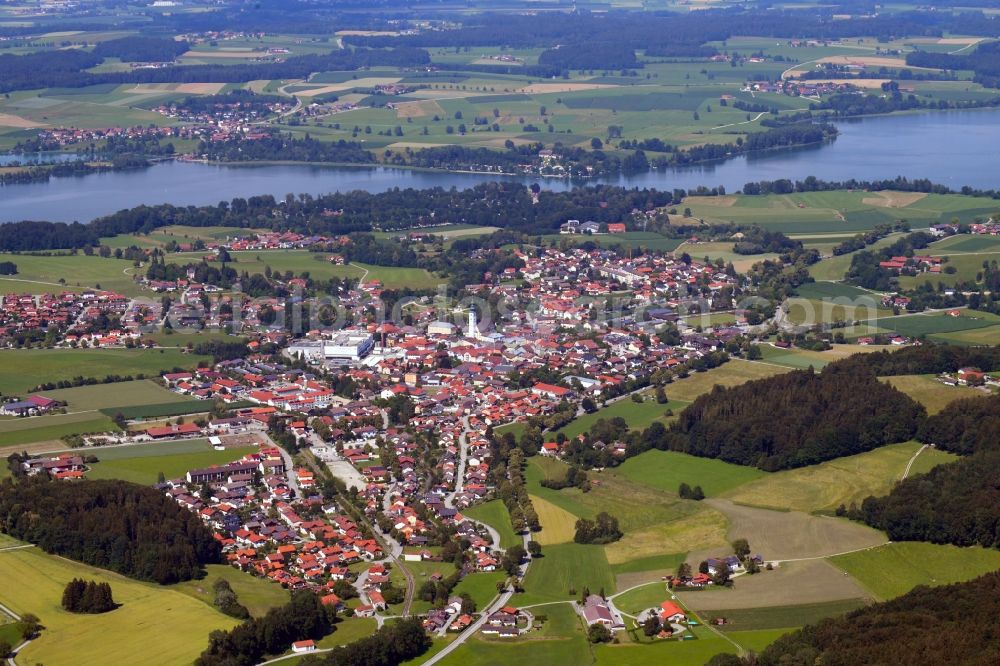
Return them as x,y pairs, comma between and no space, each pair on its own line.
481,586
637,600
780,617
968,268
160,623
835,268
495,514
976,337
637,415
348,630
696,652
803,358
517,429
257,594
825,486
732,373
896,568
563,567
82,403
23,369
145,467
929,392
822,290
666,563
810,311
666,470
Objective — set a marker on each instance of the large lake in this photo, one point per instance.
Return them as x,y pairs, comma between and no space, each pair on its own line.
953,148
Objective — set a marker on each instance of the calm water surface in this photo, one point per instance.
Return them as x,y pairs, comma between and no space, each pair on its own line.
953,148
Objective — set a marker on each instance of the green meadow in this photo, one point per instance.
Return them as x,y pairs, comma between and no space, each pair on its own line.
847,480
894,569
25,369
637,415
58,273
666,470
318,266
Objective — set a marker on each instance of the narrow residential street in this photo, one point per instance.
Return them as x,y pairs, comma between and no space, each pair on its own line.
498,603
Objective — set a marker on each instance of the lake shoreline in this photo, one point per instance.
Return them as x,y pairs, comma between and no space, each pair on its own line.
877,148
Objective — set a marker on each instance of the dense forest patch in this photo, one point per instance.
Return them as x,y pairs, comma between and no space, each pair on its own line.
944,625
124,527
796,419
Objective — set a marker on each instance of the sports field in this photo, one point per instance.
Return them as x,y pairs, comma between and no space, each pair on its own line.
826,486
119,394
894,569
26,368
51,427
147,461
161,624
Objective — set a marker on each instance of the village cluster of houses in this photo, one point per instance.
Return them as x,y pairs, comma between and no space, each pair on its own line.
971,377
79,319
902,265
224,114
62,137
65,466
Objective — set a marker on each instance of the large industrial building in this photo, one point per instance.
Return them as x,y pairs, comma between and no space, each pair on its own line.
339,348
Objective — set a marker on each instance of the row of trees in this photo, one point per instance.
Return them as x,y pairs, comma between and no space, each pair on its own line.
507,205
69,68
864,239
283,147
